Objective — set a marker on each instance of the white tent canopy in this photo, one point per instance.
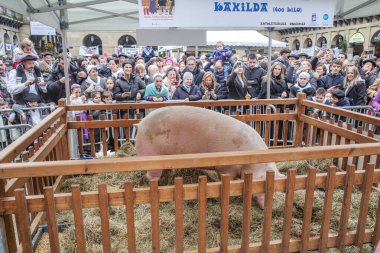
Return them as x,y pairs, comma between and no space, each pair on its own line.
122,15
249,38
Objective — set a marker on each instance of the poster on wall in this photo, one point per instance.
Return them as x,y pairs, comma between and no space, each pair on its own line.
88,51
37,28
237,13
8,47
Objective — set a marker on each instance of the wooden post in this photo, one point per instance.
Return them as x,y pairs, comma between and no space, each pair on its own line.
66,149
298,131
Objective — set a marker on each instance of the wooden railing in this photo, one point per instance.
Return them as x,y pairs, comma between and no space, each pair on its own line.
21,205
281,123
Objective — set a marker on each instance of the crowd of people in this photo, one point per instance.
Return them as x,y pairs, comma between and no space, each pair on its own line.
38,81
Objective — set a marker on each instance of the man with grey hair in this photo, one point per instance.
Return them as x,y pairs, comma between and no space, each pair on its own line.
187,90
152,70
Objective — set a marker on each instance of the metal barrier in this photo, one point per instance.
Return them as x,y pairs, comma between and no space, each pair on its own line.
10,133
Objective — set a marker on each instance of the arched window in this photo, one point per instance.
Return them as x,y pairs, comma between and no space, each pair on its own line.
296,45
308,43
92,40
126,41
322,42
15,41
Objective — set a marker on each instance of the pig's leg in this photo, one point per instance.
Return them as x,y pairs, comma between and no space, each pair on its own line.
149,150
232,170
258,172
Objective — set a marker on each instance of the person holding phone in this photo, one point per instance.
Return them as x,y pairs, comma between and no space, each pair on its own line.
211,90
237,83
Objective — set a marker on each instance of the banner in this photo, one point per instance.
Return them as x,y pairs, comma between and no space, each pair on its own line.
88,51
37,28
237,13
2,49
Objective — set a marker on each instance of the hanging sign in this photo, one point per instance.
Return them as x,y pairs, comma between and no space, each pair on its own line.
88,51
357,38
236,13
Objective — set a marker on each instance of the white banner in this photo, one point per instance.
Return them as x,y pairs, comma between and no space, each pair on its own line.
37,28
88,51
2,49
237,13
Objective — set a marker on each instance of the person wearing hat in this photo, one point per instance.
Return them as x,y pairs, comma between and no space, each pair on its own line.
27,78
122,57
156,91
303,57
129,87
369,71
302,85
29,115
338,98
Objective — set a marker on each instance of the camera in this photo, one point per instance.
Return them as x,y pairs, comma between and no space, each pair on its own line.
238,64
209,87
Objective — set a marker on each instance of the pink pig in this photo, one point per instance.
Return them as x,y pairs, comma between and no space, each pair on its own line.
188,130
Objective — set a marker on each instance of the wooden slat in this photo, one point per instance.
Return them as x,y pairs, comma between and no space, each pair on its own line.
127,130
92,136
104,217
202,207
329,133
247,207
267,128
343,112
288,212
257,124
115,134
339,130
102,124
12,170
298,131
308,209
51,220
346,142
307,134
276,128
154,212
295,244
286,129
366,193
129,201
268,206
315,130
376,234
116,197
225,212
104,137
80,238
22,220
79,135
325,227
178,198
346,206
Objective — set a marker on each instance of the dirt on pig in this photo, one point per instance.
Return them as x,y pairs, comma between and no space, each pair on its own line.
117,217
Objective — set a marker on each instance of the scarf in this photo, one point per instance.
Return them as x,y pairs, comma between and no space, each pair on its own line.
151,90
92,82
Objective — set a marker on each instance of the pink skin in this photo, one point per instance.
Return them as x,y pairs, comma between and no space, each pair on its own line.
350,75
189,130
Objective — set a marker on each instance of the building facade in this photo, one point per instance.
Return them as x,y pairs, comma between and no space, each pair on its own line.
352,36
10,24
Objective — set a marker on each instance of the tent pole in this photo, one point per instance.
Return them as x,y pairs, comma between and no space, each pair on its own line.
66,66
269,60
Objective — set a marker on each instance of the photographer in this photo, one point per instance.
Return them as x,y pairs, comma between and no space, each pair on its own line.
26,79
211,90
237,82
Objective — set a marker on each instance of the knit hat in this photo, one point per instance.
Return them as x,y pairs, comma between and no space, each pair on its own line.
157,75
305,74
75,86
29,57
89,67
32,97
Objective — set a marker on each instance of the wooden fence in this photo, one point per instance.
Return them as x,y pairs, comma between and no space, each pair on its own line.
287,125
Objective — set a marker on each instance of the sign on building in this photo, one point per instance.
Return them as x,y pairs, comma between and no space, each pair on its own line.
88,51
237,13
37,28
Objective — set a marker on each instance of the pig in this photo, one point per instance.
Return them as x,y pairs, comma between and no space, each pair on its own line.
188,130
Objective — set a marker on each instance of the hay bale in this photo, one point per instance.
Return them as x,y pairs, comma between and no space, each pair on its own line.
167,212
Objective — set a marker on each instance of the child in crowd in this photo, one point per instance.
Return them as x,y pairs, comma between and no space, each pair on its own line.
28,114
96,99
110,85
77,98
339,99
224,54
107,99
302,85
7,118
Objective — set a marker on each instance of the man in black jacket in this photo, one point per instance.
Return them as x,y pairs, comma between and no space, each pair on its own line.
254,74
193,69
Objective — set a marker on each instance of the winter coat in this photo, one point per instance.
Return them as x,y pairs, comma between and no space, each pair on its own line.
277,87
254,77
292,77
376,104
181,93
221,92
331,80
235,89
218,55
134,85
308,89
356,94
